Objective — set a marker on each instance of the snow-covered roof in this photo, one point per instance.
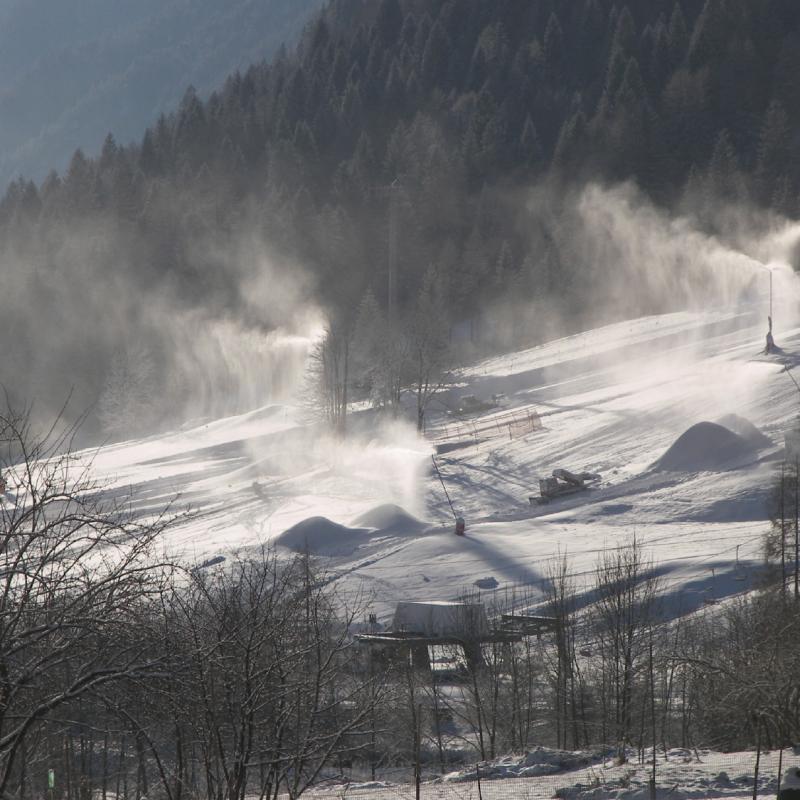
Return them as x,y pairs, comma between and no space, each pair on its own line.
441,618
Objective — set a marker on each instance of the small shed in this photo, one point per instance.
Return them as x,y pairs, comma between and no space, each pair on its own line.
442,619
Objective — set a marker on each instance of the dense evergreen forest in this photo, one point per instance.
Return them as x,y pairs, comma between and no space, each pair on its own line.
445,135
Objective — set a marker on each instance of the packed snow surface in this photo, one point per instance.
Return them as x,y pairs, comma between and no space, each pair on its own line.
611,401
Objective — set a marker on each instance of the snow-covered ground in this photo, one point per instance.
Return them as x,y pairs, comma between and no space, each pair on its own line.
611,401
545,773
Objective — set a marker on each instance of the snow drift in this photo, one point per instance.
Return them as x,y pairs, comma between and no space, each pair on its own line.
390,518
320,536
706,446
535,763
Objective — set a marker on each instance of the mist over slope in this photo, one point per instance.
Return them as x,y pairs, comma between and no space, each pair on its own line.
71,72
533,167
632,401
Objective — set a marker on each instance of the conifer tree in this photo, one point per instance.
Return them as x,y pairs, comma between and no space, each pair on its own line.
774,150
530,148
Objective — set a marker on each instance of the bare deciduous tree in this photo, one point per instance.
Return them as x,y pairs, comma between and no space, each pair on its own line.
625,609
429,354
75,573
328,377
269,675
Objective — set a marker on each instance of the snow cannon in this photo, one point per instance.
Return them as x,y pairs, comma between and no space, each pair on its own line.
461,526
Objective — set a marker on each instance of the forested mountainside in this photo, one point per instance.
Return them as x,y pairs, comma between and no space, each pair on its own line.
71,70
423,124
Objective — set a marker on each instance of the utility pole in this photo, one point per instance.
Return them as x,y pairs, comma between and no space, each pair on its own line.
769,269
770,299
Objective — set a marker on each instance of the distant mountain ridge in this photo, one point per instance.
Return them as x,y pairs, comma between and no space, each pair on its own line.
71,72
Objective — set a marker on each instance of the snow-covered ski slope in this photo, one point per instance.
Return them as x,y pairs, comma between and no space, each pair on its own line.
611,401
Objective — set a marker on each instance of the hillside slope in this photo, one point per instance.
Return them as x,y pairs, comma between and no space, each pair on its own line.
611,401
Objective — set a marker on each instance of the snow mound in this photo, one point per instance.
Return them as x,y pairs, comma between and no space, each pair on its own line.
705,446
744,428
390,518
535,763
320,536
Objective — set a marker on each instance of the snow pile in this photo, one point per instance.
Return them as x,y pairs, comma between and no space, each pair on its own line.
390,518
343,784
615,791
706,446
744,428
597,775
791,780
681,776
637,787
535,763
355,786
319,536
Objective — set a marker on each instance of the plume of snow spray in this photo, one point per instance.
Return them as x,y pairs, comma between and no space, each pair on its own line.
637,256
